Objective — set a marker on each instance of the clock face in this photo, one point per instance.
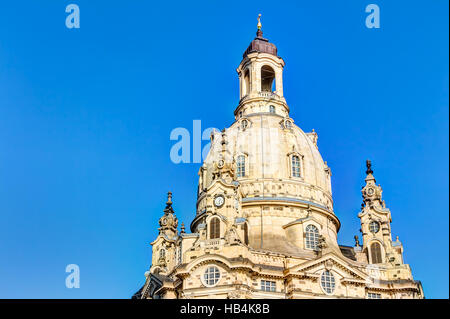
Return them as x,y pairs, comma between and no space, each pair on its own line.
219,201
370,191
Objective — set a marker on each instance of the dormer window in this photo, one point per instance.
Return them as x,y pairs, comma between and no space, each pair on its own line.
311,237
244,124
272,109
295,163
287,124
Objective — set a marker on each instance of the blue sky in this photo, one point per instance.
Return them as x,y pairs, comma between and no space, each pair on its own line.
86,115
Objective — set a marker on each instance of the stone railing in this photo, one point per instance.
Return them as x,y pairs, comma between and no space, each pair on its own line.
212,242
266,95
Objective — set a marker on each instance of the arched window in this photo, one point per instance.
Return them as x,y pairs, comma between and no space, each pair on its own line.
240,166
245,229
375,253
295,163
311,237
214,228
327,282
267,78
244,124
272,109
287,124
162,254
246,84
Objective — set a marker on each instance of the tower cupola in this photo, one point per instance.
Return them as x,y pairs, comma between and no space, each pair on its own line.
261,79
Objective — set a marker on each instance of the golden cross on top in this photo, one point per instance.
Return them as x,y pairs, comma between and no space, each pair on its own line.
259,22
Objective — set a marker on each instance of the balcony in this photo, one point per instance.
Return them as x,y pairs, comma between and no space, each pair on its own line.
264,95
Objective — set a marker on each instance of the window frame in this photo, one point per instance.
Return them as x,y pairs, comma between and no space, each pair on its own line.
241,166
332,282
378,295
372,222
205,281
214,228
268,285
373,253
272,109
291,157
314,240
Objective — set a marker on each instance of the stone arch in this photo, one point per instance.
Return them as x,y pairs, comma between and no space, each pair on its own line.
268,79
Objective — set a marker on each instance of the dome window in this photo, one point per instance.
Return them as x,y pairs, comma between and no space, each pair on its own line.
287,124
272,109
244,124
295,163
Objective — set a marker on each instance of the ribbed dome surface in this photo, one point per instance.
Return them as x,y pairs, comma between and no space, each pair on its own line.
268,145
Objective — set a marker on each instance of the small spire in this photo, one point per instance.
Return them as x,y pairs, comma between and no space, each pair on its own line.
169,199
183,228
369,167
169,209
356,241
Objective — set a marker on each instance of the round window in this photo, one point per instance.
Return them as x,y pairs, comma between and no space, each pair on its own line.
374,227
327,282
211,276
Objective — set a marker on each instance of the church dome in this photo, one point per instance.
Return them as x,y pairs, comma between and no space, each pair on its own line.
272,158
264,175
